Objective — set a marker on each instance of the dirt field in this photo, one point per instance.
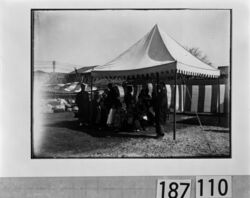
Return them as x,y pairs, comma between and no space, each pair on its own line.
63,138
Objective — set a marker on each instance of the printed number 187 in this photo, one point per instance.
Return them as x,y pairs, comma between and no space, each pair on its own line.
173,189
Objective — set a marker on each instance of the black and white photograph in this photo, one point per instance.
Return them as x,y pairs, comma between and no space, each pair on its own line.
140,99
131,83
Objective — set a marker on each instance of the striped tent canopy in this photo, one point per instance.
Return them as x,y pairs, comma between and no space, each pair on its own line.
68,88
155,53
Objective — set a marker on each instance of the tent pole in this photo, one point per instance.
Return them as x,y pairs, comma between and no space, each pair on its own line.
157,81
174,123
218,92
91,99
157,84
157,111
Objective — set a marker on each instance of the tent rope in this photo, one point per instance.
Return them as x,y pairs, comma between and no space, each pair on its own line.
196,113
197,116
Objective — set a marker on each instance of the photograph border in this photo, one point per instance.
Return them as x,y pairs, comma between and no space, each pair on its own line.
32,29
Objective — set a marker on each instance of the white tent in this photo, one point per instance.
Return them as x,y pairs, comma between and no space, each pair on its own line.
155,53
155,56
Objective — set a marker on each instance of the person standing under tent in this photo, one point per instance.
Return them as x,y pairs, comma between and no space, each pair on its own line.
83,103
112,103
111,96
96,109
130,105
142,108
160,108
104,109
117,106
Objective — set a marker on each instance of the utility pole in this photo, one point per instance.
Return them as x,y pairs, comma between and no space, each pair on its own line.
54,66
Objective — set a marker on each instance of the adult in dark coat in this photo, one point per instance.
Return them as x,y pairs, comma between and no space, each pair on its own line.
96,109
160,105
142,108
112,96
130,106
104,108
128,98
83,103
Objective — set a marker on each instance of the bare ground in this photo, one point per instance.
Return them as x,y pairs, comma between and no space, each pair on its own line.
63,138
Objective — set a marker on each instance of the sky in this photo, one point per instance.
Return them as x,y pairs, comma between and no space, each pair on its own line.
93,37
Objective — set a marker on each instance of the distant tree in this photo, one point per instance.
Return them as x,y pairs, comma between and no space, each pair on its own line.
199,54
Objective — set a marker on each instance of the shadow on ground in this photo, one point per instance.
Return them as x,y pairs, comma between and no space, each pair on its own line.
64,138
95,132
182,122
218,130
206,121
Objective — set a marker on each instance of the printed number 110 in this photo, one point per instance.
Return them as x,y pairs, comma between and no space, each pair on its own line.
213,186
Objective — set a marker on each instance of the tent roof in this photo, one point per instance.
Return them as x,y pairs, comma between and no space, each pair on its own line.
83,70
155,52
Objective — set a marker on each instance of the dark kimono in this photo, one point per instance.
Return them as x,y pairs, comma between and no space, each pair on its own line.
83,103
160,105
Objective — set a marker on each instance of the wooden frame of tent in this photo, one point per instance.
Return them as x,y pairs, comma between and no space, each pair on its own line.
154,57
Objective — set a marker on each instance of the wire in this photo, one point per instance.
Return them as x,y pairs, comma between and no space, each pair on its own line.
198,118
196,113
48,65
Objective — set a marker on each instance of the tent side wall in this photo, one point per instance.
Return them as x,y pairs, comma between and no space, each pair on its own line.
198,96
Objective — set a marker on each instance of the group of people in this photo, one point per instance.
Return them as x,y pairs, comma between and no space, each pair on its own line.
107,110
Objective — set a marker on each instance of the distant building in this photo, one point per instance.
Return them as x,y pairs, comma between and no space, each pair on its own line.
49,77
79,74
224,71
